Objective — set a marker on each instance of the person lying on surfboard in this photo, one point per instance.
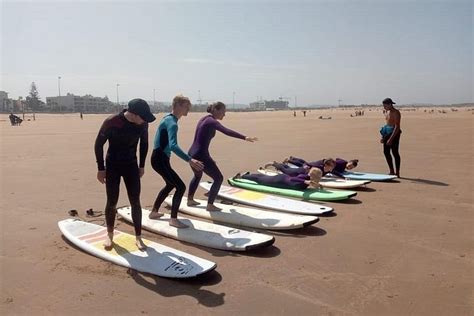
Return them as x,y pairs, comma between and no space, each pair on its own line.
284,181
205,131
338,166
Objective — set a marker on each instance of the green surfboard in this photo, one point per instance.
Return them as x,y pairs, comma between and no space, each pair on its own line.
310,194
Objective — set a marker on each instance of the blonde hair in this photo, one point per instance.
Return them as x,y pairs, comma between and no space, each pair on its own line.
315,175
180,100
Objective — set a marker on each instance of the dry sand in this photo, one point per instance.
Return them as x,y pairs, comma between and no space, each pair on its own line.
402,248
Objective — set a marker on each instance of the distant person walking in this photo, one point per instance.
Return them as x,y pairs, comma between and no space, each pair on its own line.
166,141
123,131
205,132
390,133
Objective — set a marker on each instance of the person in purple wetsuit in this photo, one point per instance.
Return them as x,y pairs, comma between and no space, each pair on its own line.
284,181
336,167
205,131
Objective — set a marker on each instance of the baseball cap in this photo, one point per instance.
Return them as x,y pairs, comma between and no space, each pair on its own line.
142,109
388,101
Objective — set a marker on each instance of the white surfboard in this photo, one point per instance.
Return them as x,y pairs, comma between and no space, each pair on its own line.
156,259
202,233
327,182
268,201
244,216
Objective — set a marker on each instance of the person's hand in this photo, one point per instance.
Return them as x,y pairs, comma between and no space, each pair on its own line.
251,139
141,172
196,164
381,140
101,176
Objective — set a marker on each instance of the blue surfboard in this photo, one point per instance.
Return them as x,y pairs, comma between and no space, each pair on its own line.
367,176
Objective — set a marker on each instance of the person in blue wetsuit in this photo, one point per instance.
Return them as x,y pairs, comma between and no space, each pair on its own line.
166,141
205,131
123,131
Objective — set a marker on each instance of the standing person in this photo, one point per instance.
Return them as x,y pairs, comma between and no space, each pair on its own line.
123,131
166,141
391,136
205,131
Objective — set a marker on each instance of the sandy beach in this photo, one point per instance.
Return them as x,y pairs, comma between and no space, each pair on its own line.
398,248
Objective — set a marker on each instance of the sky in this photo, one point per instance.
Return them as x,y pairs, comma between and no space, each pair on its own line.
311,52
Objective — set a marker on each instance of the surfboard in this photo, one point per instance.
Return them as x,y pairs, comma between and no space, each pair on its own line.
249,217
368,176
268,201
353,175
157,259
327,182
202,233
308,194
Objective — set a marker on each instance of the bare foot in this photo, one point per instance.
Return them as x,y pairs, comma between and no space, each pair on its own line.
140,244
206,194
154,214
108,243
176,223
212,208
191,202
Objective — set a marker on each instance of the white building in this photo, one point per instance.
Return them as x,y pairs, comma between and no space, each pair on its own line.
74,103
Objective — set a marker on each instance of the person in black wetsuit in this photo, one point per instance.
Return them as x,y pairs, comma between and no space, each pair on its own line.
123,131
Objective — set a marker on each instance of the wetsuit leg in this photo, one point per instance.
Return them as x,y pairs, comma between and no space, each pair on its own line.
279,181
193,185
388,156
297,161
290,171
161,164
112,187
131,178
395,146
211,169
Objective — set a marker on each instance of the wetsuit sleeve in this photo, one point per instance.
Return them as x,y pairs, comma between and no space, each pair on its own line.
100,140
227,131
337,173
173,143
143,146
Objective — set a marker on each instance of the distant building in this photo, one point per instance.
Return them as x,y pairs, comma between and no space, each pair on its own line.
272,105
74,103
5,102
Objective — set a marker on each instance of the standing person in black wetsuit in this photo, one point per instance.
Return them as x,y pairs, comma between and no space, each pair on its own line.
123,131
390,133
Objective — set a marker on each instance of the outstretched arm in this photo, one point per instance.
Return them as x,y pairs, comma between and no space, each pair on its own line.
173,143
100,140
228,131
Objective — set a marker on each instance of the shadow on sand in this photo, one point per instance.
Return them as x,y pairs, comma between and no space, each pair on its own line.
189,287
424,181
301,232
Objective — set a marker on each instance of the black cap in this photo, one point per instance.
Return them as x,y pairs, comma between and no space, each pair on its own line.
142,109
388,101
